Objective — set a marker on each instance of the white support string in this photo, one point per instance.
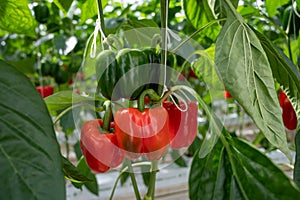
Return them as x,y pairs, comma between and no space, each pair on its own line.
166,48
97,29
180,99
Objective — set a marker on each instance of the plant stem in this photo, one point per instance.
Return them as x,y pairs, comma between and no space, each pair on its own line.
120,175
196,32
289,47
107,116
151,94
133,180
101,16
297,159
152,180
70,108
67,146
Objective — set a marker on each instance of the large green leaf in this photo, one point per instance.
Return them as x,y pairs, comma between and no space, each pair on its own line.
237,170
90,8
30,159
246,73
139,33
92,185
272,6
16,17
200,13
72,173
283,70
203,66
65,99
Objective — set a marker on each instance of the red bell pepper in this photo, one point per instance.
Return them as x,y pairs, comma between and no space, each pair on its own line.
183,125
227,95
288,113
45,90
100,149
142,133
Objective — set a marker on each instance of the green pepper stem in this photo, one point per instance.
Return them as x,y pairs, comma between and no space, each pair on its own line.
133,180
107,115
152,180
151,94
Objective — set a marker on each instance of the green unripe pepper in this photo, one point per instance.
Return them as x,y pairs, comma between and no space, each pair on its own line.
127,60
156,70
110,68
106,67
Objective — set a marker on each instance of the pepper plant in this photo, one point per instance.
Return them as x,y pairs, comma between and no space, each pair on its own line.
201,48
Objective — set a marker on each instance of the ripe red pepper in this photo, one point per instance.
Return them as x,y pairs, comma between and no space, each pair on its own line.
183,125
45,90
288,113
142,133
100,149
227,95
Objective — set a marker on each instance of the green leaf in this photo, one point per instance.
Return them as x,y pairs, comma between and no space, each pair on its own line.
85,170
237,170
67,122
246,73
25,65
139,33
204,67
272,6
89,9
298,4
64,99
207,177
178,159
284,71
72,173
16,17
64,5
30,158
200,13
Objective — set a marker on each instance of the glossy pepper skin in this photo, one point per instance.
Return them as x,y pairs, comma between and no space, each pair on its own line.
288,113
183,125
111,67
100,149
106,67
129,59
142,133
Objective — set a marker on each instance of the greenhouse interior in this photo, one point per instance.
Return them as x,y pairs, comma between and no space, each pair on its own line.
150,99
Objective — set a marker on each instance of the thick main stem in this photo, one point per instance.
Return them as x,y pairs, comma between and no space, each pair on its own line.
101,16
133,180
152,180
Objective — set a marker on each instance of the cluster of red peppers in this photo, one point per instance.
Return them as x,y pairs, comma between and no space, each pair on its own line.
138,133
